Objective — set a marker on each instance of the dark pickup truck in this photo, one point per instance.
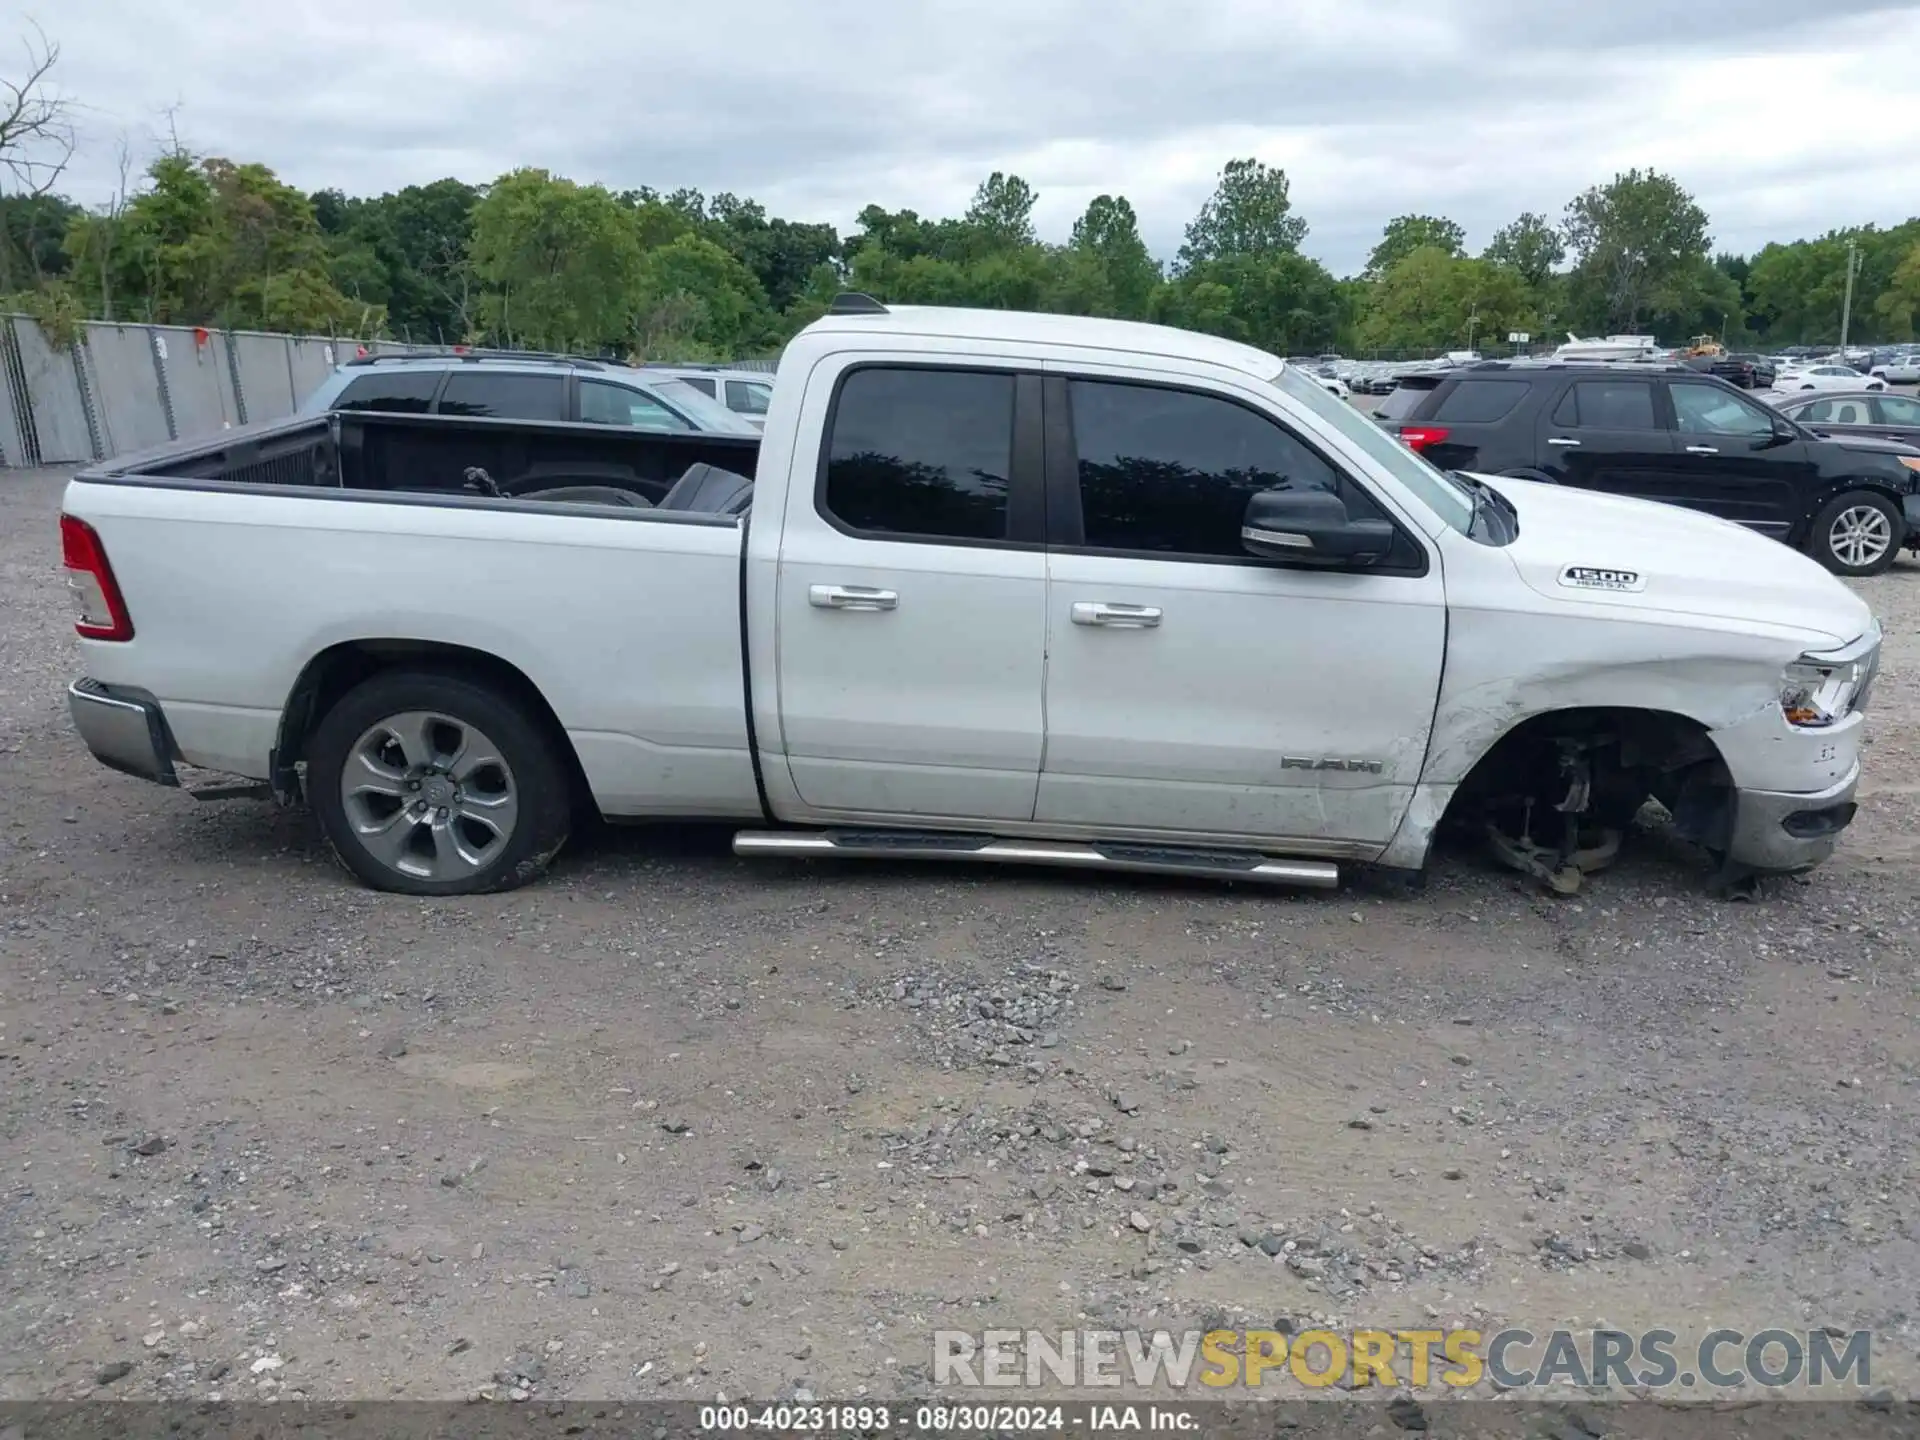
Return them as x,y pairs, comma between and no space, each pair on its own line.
1749,372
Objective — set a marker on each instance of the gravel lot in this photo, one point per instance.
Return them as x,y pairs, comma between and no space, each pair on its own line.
670,1124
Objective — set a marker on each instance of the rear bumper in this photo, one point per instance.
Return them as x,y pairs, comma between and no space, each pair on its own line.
1781,832
1910,512
124,729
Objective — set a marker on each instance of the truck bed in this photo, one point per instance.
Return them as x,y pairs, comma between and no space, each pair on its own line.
625,619
377,453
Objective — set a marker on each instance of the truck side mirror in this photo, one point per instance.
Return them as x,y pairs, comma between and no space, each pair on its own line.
1311,527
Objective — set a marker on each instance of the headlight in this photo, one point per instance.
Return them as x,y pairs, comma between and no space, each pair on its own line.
1823,689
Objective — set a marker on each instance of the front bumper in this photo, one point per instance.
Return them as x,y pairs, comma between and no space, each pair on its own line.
1781,832
125,730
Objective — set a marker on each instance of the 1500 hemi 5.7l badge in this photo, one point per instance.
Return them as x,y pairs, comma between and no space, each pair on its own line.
1594,577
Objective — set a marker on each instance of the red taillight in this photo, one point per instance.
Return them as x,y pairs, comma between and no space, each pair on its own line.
1419,437
102,611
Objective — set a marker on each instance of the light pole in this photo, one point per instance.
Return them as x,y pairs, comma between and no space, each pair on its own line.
1846,310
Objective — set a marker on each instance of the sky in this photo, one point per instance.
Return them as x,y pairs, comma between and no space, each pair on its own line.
1786,118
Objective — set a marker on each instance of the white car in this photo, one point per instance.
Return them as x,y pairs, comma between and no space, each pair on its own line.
1900,370
1028,589
1826,377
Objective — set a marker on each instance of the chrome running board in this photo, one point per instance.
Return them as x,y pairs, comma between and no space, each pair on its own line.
1143,858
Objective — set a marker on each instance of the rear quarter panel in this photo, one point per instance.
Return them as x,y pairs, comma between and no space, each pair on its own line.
630,628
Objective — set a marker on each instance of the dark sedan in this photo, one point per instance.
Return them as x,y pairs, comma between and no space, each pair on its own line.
1857,412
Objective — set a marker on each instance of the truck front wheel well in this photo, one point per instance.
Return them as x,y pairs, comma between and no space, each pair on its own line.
339,668
1556,792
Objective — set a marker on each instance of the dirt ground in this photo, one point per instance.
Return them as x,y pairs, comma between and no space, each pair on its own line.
675,1124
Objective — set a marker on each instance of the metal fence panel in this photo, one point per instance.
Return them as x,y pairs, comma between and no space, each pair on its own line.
13,439
266,384
126,387
53,389
312,358
197,382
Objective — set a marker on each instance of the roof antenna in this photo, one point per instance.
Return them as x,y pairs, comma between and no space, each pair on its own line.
851,302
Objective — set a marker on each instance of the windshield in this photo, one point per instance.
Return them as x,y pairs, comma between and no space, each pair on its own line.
1440,494
706,413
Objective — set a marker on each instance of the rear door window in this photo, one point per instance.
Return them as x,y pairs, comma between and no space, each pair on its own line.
398,392
1480,402
1607,405
605,404
1405,399
505,395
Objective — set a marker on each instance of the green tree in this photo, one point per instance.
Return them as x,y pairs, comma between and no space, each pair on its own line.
781,253
1407,233
696,301
32,231
1002,212
1898,305
559,264
1530,246
213,242
1637,242
1106,240
1280,301
1434,300
1249,212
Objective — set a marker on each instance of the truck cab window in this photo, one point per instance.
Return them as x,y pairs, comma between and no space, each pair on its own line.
921,453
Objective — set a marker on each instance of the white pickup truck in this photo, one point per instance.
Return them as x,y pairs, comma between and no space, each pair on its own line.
1011,587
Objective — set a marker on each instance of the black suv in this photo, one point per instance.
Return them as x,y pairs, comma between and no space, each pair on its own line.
1669,433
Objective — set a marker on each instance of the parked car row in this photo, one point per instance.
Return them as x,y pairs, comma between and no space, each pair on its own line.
520,386
1670,433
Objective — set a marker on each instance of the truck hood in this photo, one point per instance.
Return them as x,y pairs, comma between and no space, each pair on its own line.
1579,547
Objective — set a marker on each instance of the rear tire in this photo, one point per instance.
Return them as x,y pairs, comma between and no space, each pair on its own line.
435,783
1856,534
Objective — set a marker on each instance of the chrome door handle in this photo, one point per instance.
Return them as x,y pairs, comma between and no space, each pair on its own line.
1124,617
1703,449
851,597
1561,440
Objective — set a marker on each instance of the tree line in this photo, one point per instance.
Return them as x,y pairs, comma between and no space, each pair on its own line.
537,260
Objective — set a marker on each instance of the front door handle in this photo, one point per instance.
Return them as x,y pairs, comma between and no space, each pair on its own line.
1124,617
1562,440
851,597
1703,449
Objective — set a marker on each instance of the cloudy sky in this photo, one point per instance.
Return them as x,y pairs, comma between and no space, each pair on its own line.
1785,117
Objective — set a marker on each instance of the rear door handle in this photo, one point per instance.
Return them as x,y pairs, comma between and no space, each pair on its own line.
1123,617
1703,449
1562,440
851,597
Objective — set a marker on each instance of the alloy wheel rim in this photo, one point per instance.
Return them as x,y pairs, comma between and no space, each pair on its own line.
429,796
1860,535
